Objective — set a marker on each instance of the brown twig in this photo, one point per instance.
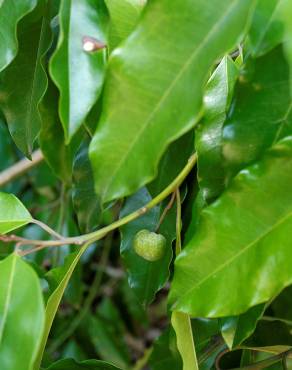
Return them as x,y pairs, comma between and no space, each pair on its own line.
20,167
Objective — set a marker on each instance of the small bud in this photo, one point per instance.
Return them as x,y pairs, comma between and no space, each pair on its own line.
91,44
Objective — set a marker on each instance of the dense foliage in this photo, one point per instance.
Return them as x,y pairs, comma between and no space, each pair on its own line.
146,184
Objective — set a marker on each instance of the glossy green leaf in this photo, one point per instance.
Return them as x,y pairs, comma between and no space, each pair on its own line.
86,203
59,279
267,27
13,214
217,99
78,73
21,314
243,239
156,72
11,12
124,15
260,113
52,141
236,329
70,364
24,82
145,277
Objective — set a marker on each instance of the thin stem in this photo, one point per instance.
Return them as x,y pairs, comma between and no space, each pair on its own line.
20,168
181,322
89,299
101,233
141,211
140,364
47,229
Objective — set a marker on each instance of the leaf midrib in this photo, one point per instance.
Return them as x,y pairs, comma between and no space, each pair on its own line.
237,255
168,91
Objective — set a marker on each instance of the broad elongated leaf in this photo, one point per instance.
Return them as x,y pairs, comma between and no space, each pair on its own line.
154,86
260,113
124,15
79,73
24,81
236,329
219,91
21,314
241,243
59,279
11,12
70,364
13,213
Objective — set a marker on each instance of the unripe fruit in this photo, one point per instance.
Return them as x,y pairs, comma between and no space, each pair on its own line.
149,245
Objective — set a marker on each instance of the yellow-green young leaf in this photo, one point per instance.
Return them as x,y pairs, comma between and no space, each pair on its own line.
21,314
11,11
76,69
13,214
153,91
240,254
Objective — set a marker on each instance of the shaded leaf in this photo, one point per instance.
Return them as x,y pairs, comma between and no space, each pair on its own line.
21,314
237,328
24,82
85,202
156,72
217,98
260,113
11,12
52,141
13,213
243,239
79,73
145,277
165,355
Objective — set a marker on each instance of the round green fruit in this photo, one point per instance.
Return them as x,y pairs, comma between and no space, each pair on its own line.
149,245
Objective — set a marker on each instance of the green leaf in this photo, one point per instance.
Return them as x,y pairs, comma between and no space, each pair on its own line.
217,99
70,364
154,87
145,278
86,203
59,279
11,12
21,314
20,100
267,26
236,329
165,355
243,239
79,74
52,137
260,113
107,333
13,213
124,15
